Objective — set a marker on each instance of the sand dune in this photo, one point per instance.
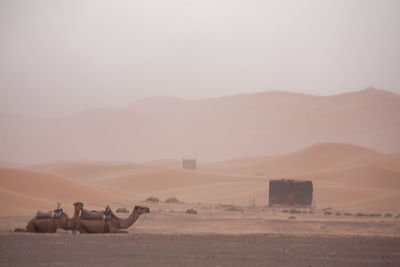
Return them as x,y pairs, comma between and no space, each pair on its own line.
86,170
159,178
249,125
162,179
23,190
20,204
318,157
354,198
347,164
344,176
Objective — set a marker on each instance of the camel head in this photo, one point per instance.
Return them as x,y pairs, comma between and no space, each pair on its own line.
141,209
78,205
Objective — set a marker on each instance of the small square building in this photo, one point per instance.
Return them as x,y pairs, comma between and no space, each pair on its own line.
189,164
288,192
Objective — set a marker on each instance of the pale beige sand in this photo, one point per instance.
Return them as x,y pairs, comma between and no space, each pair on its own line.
24,191
345,176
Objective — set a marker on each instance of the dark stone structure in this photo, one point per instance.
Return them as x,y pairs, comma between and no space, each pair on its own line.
189,164
290,192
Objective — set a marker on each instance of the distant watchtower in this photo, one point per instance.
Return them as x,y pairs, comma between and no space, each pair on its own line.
189,164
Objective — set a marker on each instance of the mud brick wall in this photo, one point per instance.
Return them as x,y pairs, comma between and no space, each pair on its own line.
290,192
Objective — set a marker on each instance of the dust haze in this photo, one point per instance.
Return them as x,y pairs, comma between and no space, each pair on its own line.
62,57
190,109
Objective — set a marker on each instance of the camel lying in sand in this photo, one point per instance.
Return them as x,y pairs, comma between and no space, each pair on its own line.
108,222
45,223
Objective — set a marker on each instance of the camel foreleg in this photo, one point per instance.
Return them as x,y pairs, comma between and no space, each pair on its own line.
81,229
31,226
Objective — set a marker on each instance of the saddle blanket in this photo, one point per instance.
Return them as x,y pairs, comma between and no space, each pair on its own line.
92,215
43,214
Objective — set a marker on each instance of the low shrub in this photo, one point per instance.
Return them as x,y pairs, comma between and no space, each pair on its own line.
338,214
294,211
122,210
375,215
398,216
172,200
291,218
285,211
347,214
191,211
359,214
387,215
328,213
232,208
152,199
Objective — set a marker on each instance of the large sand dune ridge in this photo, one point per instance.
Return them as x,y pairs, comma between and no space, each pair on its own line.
343,175
248,125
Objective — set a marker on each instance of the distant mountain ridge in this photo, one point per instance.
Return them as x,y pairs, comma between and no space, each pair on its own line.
248,125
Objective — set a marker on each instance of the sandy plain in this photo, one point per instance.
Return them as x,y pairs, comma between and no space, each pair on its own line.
233,224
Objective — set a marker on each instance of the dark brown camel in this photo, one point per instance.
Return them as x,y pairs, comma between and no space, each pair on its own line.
73,222
110,223
50,224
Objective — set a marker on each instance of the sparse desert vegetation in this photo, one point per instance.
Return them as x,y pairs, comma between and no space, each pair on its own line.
122,210
231,207
172,200
191,211
291,211
152,199
360,214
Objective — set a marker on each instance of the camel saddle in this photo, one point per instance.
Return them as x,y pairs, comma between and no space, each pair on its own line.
48,214
43,214
92,215
57,214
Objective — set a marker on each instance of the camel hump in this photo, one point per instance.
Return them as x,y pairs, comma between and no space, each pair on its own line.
43,214
92,215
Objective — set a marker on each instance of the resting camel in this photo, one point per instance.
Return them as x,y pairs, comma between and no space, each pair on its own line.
48,224
110,223
73,223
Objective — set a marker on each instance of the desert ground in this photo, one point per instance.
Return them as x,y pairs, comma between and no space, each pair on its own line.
354,219
197,250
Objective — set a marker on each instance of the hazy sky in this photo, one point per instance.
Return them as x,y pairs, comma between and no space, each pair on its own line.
58,57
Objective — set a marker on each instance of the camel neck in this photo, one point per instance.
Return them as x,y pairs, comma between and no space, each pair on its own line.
74,221
125,223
